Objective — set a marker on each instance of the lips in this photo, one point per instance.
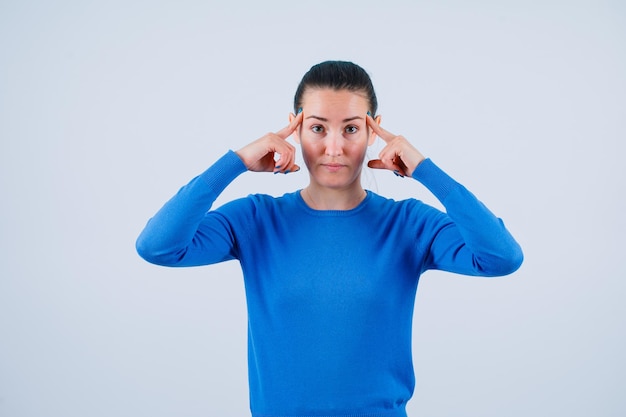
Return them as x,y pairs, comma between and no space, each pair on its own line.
333,167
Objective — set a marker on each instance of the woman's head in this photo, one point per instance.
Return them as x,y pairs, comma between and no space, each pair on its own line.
337,75
334,98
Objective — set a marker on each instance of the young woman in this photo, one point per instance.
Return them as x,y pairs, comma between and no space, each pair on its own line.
331,270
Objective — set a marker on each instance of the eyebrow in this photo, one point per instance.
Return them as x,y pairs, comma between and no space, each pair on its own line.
322,119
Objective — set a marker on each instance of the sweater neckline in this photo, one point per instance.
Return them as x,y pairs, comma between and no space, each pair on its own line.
332,213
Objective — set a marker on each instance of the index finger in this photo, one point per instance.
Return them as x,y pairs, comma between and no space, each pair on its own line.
285,132
380,132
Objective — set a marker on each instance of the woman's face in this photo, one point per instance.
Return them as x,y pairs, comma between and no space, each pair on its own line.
334,136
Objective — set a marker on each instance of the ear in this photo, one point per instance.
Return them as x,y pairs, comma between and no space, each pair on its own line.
296,133
372,137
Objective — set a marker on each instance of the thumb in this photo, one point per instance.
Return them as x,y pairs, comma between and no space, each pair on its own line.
376,164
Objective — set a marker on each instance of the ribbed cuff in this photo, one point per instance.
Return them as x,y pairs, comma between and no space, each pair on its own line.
435,179
223,172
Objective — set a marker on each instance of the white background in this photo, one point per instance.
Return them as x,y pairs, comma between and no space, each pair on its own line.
107,108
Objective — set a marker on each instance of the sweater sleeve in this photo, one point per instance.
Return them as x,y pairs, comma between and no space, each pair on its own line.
183,232
469,239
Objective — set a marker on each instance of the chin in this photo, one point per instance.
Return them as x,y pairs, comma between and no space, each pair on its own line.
335,181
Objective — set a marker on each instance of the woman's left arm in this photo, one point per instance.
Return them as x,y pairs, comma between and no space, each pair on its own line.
468,238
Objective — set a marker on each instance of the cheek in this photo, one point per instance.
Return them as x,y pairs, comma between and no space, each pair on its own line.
307,149
310,142
305,136
358,143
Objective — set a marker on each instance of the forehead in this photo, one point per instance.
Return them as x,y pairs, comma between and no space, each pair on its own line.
329,102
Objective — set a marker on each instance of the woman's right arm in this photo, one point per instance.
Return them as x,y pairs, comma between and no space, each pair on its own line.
184,232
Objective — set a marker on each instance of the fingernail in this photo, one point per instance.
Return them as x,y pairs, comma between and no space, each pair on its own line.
276,172
369,114
277,167
299,110
288,171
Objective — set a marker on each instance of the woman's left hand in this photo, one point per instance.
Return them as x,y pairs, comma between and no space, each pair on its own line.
398,155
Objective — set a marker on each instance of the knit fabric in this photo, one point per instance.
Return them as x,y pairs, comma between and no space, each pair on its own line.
330,293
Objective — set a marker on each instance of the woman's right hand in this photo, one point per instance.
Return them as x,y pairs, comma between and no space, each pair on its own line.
259,156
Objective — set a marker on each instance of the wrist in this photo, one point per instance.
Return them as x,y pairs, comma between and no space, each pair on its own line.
415,163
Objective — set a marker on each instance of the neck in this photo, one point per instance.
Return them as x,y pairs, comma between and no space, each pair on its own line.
319,198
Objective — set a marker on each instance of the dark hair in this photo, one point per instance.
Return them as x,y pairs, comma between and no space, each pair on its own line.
337,75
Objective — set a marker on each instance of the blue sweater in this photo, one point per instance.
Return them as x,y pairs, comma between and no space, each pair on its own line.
330,294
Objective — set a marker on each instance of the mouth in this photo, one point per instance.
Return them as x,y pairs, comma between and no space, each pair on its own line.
332,167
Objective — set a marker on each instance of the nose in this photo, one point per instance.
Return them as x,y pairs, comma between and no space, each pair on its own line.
334,145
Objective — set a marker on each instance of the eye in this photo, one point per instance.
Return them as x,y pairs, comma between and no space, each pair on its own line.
352,129
317,129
